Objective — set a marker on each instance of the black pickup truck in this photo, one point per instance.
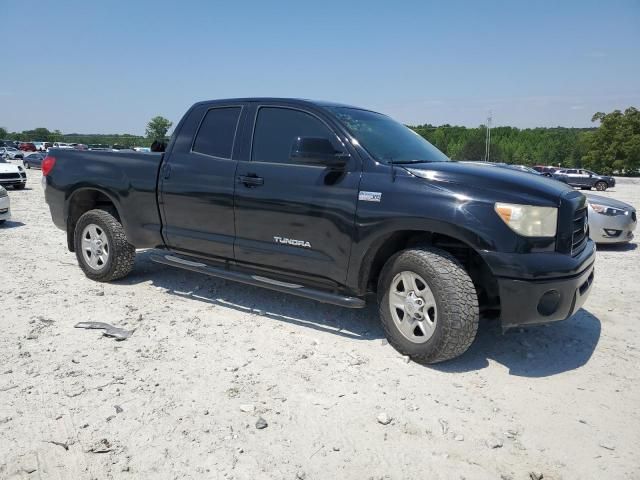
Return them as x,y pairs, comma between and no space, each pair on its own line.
333,203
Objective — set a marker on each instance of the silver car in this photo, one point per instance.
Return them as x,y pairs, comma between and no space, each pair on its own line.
11,153
610,221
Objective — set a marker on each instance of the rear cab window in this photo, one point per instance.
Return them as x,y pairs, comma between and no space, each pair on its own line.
217,132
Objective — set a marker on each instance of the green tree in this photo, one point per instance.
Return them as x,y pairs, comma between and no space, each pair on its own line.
3,133
38,134
615,145
157,128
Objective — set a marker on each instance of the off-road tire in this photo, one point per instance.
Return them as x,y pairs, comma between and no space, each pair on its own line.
122,253
456,300
601,186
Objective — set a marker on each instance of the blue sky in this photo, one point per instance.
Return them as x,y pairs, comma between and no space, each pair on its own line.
109,66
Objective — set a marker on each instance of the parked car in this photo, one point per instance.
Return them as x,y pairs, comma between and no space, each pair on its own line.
34,160
12,175
5,205
610,220
99,146
27,147
61,145
521,168
8,143
331,202
585,179
547,171
42,146
11,153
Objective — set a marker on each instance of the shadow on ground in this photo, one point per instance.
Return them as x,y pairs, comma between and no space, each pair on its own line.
539,351
358,324
11,224
617,247
529,352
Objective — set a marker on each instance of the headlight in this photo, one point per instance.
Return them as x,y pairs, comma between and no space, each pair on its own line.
604,210
528,220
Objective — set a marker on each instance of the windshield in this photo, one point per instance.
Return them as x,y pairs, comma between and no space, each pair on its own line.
385,139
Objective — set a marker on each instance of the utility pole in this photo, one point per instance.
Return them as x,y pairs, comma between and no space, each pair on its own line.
487,143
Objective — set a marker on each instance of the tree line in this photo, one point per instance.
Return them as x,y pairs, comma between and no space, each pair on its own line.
156,129
612,147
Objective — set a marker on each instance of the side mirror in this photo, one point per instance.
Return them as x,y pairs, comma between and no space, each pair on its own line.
317,151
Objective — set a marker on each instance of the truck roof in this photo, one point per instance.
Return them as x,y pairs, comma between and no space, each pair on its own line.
302,101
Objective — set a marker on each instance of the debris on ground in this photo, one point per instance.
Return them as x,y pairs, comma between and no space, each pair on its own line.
384,418
109,330
261,423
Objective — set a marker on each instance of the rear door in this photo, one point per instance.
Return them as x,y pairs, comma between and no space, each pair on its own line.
584,178
197,180
293,218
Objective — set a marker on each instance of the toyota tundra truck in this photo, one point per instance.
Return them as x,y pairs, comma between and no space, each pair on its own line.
338,204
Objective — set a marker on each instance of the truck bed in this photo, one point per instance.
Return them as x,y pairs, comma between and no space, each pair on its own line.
129,179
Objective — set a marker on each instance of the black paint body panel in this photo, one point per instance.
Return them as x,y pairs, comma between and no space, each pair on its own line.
200,208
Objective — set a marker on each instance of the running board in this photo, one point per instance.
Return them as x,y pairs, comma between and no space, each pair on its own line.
259,281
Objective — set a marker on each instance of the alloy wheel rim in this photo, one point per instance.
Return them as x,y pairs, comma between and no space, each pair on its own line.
95,247
413,307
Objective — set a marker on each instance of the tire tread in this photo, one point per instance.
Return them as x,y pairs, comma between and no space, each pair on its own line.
123,253
459,320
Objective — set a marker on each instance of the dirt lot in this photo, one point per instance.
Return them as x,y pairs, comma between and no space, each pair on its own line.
181,397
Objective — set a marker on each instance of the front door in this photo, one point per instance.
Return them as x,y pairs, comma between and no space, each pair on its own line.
291,217
197,183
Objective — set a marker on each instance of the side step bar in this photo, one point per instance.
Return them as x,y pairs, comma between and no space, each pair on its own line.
259,281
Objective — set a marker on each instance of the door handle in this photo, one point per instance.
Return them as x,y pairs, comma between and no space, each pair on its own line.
250,180
167,171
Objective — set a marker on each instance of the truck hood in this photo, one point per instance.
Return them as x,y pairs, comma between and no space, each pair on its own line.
8,168
514,186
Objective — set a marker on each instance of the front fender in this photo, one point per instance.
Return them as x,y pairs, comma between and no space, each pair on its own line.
371,239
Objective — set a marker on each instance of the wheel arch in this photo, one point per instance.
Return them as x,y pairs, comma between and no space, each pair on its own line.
462,244
81,201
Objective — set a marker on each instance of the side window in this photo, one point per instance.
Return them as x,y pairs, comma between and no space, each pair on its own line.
276,130
572,171
217,132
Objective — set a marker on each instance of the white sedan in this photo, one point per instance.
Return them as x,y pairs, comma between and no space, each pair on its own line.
5,205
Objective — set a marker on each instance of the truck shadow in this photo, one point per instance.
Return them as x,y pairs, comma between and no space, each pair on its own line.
357,324
539,351
530,352
11,224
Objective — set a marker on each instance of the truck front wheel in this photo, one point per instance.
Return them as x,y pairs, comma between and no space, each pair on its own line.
102,249
428,305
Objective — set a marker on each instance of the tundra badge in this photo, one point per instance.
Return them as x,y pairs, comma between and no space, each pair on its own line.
369,196
291,241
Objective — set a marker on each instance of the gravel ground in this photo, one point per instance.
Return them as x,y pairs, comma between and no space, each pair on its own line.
211,361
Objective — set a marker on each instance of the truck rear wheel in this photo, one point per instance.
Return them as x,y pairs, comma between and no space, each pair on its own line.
428,305
102,249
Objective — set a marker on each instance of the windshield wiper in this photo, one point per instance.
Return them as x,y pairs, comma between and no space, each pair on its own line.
406,162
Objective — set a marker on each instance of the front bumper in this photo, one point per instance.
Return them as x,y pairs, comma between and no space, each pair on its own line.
13,179
544,298
612,229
